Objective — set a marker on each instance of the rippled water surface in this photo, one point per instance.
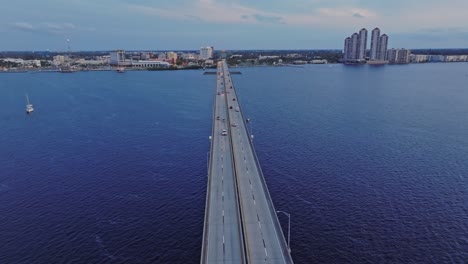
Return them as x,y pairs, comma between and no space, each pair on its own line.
372,163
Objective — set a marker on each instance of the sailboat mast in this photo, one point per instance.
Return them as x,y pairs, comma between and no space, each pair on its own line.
27,98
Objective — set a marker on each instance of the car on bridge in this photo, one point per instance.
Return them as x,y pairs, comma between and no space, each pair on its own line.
237,109
224,132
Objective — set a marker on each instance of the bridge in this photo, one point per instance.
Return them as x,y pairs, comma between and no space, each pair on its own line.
241,225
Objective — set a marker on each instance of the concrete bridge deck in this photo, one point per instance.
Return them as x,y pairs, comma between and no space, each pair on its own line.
236,185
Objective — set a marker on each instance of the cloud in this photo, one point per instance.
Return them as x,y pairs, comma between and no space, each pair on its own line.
232,12
50,28
358,15
266,19
22,26
212,12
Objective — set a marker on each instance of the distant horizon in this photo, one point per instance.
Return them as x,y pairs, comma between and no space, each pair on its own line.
197,50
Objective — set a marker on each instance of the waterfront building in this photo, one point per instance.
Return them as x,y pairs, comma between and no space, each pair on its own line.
419,58
117,57
206,53
382,48
456,58
354,46
347,49
362,45
150,64
398,56
59,60
375,41
171,57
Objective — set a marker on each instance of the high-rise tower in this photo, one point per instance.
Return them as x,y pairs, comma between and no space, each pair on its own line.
375,41
362,44
354,46
382,48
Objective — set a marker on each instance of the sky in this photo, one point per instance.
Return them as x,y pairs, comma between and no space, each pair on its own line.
224,24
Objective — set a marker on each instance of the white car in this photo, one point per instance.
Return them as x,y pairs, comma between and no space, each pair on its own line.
237,109
234,124
224,133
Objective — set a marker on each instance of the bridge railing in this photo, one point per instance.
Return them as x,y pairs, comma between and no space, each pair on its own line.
207,202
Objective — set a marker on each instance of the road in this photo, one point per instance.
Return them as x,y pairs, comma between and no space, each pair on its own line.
223,240
241,225
263,236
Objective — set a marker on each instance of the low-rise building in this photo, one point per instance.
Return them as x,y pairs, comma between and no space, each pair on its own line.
150,64
398,56
419,58
171,57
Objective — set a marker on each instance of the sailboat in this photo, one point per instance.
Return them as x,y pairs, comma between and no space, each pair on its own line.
29,106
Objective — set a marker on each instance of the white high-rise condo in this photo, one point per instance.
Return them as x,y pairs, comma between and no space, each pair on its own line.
382,48
362,44
347,49
206,53
354,46
375,41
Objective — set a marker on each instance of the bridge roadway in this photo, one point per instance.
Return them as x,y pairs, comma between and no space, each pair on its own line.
260,235
222,236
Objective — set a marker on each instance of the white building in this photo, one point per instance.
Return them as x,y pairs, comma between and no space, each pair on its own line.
362,44
267,57
456,58
171,57
382,48
150,64
117,57
398,56
374,47
189,56
59,59
206,53
419,58
32,63
347,49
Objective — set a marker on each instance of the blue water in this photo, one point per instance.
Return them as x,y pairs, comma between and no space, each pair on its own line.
371,162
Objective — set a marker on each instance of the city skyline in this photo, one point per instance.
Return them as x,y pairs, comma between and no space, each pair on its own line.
183,24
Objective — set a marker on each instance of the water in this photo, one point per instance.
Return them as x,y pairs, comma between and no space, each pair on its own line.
371,162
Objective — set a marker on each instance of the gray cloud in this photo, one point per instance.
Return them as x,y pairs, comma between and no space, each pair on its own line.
358,15
49,28
22,26
265,19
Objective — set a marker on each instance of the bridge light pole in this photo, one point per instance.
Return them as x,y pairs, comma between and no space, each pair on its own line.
289,228
249,124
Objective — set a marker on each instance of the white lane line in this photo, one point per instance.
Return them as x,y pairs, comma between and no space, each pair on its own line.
223,212
223,239
266,254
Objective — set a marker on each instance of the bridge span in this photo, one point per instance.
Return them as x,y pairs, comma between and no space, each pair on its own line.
241,225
